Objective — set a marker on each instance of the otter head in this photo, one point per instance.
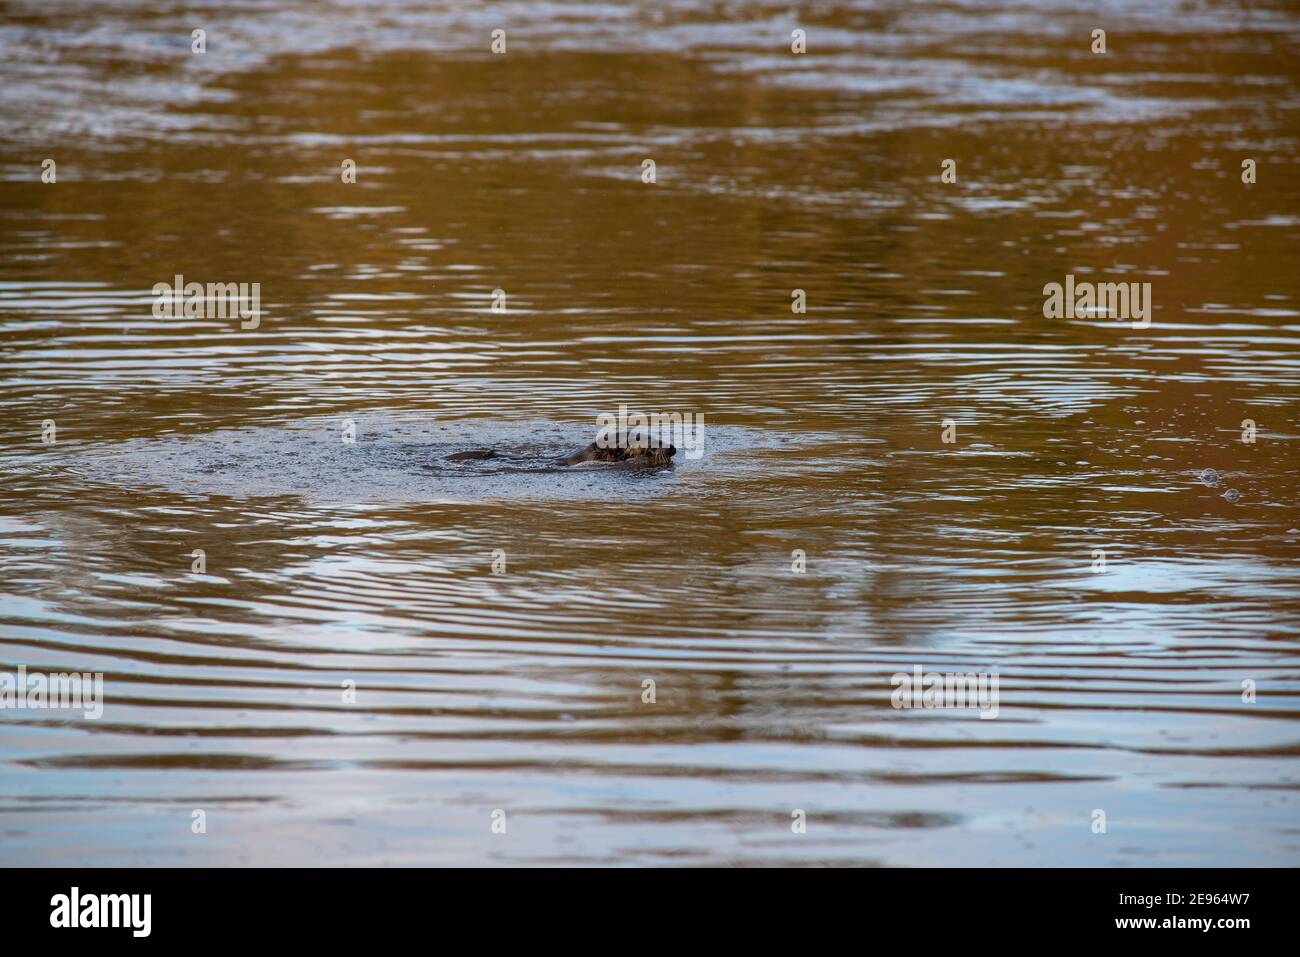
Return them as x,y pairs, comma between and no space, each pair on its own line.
656,456
659,457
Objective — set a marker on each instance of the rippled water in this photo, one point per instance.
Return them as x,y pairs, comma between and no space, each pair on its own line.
329,562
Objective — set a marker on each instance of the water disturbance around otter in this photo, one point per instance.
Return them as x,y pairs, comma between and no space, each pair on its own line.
400,458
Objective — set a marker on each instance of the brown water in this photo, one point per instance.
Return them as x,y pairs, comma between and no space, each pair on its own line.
371,562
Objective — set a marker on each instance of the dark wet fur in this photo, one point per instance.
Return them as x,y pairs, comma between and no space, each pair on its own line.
473,455
640,455
636,455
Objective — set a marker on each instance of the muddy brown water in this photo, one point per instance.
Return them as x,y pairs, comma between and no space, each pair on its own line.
335,567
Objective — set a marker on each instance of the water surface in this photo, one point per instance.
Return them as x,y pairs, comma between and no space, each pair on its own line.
328,563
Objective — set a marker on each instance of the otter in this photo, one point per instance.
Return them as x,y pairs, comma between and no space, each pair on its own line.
641,455
661,457
472,456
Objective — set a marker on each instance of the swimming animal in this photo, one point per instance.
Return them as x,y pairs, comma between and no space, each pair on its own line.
472,455
641,455
657,457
